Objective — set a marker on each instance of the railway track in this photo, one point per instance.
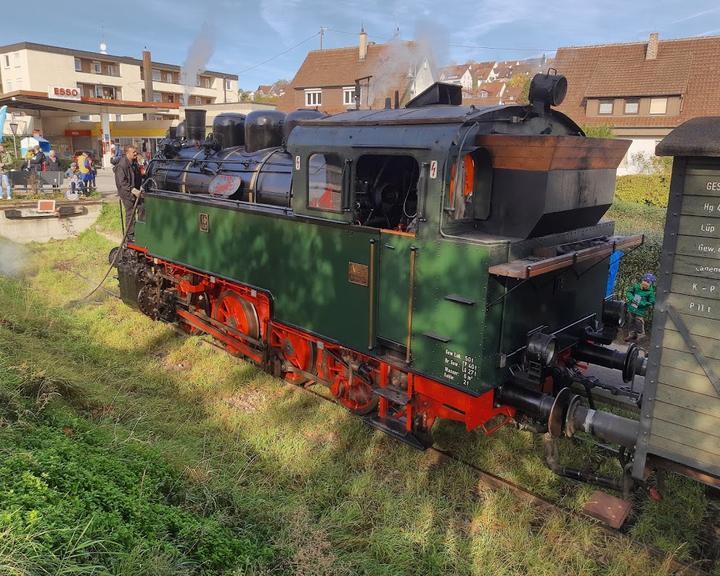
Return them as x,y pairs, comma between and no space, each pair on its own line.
488,479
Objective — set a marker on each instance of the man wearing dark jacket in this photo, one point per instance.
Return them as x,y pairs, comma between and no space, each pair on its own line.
127,181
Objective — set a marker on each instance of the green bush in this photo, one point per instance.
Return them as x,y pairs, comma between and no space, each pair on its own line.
600,131
649,189
636,263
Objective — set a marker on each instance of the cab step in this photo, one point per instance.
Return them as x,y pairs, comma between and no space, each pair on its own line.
396,428
394,395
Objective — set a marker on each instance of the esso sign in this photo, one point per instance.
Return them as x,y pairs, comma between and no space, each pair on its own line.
63,93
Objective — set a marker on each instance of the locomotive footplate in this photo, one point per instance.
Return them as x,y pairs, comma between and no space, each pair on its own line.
565,256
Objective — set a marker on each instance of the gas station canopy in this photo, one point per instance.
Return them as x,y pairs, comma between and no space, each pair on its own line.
81,105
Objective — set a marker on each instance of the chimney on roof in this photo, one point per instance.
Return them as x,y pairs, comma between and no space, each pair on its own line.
652,47
363,44
147,76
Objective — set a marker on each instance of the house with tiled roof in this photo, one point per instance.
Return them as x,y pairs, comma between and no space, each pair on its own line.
482,70
461,74
641,90
365,76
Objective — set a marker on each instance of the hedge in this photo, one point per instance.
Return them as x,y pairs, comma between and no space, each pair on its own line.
649,189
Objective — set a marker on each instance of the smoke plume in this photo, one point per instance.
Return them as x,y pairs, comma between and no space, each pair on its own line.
404,62
12,258
198,56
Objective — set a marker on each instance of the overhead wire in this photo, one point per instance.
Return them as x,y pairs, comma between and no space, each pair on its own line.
279,54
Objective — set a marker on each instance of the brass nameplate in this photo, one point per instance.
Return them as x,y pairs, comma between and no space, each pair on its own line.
358,273
204,222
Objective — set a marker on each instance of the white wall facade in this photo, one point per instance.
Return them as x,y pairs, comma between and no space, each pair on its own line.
641,150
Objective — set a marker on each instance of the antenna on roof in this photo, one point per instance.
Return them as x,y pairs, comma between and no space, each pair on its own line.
322,35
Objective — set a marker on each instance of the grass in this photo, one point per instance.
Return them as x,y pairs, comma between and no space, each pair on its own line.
123,415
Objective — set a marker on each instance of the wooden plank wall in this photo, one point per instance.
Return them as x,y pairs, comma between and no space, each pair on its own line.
686,413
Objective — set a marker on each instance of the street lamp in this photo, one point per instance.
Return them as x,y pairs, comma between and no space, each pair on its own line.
13,129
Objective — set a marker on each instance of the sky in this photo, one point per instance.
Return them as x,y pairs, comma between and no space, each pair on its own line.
266,40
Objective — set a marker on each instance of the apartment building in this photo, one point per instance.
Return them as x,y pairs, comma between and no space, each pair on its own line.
80,99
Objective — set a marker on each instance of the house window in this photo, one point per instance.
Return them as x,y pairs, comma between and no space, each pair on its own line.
105,92
325,182
349,96
658,105
227,84
156,97
313,97
156,75
605,107
118,117
78,65
112,70
9,85
632,106
97,67
17,59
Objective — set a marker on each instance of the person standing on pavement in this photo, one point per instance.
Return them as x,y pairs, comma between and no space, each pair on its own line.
37,164
127,181
6,164
640,299
53,162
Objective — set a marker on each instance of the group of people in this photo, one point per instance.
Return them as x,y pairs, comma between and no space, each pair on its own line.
81,174
35,160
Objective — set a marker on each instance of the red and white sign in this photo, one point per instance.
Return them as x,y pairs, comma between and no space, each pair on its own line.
63,93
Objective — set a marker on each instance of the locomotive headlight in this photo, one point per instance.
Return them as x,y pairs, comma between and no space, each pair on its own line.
541,348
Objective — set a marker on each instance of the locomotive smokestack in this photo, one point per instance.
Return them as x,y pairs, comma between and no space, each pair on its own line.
362,44
195,124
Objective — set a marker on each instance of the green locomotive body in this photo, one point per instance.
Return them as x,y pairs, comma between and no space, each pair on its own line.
454,321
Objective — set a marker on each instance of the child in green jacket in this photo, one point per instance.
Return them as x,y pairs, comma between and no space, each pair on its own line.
640,298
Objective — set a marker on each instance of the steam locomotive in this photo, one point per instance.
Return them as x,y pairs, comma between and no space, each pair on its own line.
432,261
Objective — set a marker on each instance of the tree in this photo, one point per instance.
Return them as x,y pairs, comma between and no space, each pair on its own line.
521,81
244,95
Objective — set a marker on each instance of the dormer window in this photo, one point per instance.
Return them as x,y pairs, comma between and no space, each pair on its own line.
605,107
658,105
313,97
632,106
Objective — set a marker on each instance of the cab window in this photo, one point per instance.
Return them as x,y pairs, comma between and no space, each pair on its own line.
386,192
325,173
470,188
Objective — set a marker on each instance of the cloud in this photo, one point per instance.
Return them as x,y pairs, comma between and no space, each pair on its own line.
693,16
282,16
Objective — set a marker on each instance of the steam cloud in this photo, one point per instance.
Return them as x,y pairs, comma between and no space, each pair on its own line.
402,60
12,259
198,56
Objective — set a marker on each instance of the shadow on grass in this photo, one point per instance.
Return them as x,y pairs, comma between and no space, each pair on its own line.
329,495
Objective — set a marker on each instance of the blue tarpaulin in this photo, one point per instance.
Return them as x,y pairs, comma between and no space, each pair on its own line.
615,258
